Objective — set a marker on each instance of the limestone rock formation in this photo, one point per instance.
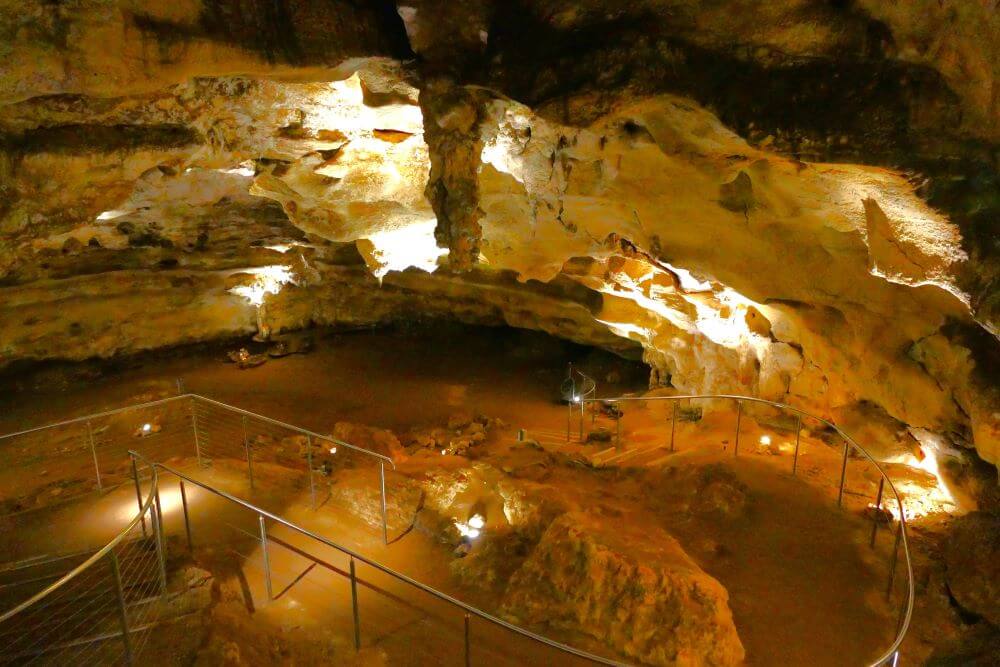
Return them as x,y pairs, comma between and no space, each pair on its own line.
359,493
791,199
654,606
973,560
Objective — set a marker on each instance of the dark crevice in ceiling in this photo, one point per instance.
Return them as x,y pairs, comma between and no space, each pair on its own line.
85,139
297,32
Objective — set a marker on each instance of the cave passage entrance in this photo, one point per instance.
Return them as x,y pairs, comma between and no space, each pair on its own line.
394,377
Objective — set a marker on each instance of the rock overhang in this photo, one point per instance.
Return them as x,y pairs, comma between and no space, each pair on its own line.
828,282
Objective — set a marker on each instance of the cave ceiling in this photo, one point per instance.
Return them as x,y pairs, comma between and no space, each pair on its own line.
796,199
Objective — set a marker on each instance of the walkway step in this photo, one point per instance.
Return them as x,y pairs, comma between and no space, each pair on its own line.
602,457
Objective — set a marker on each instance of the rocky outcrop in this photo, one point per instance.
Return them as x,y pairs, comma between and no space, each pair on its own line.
106,49
379,440
980,646
345,159
550,193
129,311
972,556
749,196
656,607
358,491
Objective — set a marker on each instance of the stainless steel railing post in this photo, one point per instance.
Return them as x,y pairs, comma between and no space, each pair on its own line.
246,448
581,420
618,426
673,426
354,605
798,438
467,656
309,462
138,495
878,511
280,424
843,475
892,561
902,615
161,543
385,523
194,426
267,559
569,403
187,521
116,576
739,418
93,451
569,418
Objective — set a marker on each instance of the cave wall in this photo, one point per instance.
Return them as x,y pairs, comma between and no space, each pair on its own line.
792,199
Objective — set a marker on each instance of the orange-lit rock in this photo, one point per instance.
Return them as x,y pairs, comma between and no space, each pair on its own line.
653,604
149,149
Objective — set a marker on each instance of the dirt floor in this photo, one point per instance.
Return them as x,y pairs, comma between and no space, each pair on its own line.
805,585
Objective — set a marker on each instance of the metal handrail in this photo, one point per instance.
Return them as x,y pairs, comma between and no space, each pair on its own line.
152,496
588,386
303,431
101,553
902,536
86,420
150,506
310,435
849,442
468,609
573,397
96,415
162,401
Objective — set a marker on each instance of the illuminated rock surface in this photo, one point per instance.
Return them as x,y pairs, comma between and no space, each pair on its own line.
796,200
973,560
656,606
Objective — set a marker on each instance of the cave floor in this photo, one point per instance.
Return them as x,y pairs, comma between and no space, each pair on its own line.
804,586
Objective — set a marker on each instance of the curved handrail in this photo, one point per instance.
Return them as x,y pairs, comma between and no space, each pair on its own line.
145,508
101,553
171,399
385,570
96,415
905,624
569,390
589,386
303,431
576,397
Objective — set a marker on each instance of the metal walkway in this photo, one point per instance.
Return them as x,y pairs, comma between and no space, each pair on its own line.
101,610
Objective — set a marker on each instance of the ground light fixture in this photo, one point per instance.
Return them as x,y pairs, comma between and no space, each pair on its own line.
472,528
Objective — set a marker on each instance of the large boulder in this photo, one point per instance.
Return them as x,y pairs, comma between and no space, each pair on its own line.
711,491
979,647
358,489
651,603
380,440
973,561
